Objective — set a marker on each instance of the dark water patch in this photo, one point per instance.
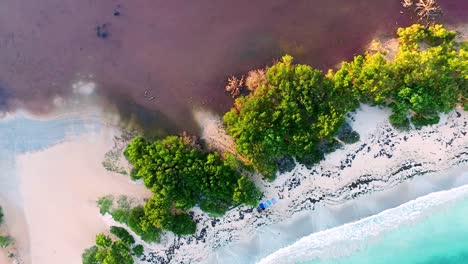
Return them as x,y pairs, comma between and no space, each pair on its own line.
180,50
5,97
152,123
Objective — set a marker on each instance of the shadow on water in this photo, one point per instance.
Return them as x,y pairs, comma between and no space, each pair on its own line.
134,117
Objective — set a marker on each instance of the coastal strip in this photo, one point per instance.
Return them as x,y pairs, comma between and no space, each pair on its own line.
382,159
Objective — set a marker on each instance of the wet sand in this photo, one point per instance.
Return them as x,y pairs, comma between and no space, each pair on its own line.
60,186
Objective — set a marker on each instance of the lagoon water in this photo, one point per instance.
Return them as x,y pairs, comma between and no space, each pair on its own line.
428,230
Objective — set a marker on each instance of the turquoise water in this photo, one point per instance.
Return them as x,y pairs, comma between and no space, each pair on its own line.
438,238
432,229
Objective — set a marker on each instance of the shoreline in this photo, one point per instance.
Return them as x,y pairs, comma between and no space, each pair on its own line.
48,194
53,176
382,159
352,237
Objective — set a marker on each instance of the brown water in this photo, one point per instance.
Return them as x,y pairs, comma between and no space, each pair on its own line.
181,51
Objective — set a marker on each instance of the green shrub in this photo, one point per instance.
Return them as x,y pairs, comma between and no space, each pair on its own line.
138,250
89,256
399,121
105,204
108,251
120,215
1,215
123,234
214,208
182,224
425,120
5,241
137,224
181,177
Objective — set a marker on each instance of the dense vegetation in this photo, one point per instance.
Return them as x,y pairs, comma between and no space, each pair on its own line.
298,109
181,177
113,251
292,111
287,116
428,75
132,216
5,241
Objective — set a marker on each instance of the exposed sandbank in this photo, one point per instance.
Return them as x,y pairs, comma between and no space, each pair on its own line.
60,186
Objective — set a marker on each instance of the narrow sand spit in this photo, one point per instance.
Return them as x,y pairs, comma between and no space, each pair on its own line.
60,186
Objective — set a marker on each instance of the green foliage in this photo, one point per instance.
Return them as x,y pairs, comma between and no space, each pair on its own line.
122,234
89,256
347,135
233,162
1,215
138,224
299,108
105,204
5,241
367,79
286,117
182,224
399,120
180,178
108,251
138,250
429,75
245,192
213,208
121,214
135,219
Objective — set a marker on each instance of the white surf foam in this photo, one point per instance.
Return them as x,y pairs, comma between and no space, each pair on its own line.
327,243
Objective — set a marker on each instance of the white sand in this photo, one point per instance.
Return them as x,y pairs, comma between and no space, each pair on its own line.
314,199
60,186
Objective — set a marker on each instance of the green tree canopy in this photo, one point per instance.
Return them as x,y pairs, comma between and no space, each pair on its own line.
287,116
182,177
298,107
108,251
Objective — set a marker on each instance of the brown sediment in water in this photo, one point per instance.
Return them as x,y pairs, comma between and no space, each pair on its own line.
179,52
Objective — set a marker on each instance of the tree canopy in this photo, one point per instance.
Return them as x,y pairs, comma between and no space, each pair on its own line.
109,251
181,177
298,107
428,75
287,116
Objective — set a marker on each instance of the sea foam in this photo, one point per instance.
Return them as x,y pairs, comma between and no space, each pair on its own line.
346,239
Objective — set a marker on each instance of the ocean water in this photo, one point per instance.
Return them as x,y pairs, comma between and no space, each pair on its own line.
432,229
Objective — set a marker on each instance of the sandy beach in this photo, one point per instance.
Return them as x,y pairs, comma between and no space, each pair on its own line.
309,200
52,177
60,187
